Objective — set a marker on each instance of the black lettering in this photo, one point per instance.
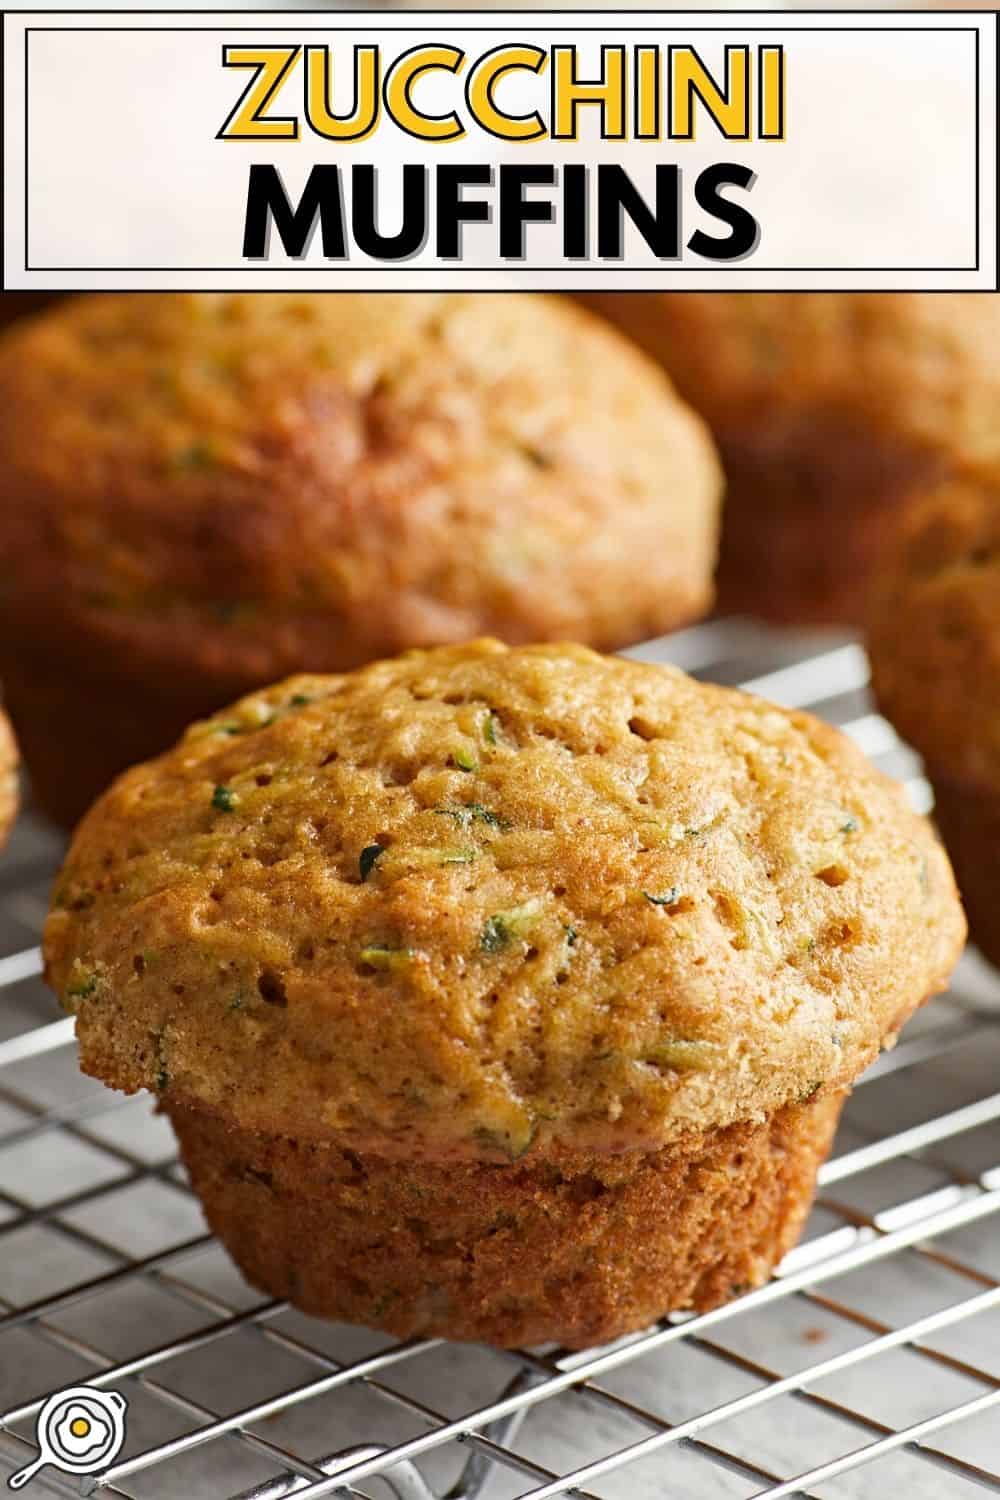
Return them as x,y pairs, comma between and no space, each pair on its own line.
515,211
452,210
617,195
744,231
364,214
268,203
575,212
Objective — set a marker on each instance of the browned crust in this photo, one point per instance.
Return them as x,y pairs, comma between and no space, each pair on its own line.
578,1248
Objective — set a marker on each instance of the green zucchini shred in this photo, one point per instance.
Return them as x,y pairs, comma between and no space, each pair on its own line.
503,926
368,858
378,957
474,812
457,856
503,1141
197,455
683,1055
670,898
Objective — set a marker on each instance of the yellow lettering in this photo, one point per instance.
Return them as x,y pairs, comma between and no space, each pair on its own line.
483,79
364,116
570,92
771,93
398,92
647,94
272,66
729,108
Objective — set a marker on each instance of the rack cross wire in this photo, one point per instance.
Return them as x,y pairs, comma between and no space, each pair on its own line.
869,1363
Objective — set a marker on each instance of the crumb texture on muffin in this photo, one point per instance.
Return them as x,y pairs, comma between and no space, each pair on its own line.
830,409
576,1247
473,901
254,485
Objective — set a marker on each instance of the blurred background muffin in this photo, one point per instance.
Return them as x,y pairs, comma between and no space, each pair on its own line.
14,305
935,652
8,778
829,409
206,492
503,994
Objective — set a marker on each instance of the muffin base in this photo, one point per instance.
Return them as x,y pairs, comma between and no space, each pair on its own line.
969,822
576,1248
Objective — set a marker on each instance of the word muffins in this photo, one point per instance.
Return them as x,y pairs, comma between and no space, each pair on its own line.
204,493
831,409
501,994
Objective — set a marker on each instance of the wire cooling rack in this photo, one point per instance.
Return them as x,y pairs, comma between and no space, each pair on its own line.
870,1363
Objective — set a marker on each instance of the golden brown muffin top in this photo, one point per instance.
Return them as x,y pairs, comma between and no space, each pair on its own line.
921,365
935,629
474,898
264,483
8,777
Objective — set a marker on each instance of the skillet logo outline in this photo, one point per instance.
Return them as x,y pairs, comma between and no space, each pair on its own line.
79,1430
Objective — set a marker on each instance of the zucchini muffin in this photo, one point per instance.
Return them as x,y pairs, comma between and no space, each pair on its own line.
935,649
8,779
830,409
502,994
205,493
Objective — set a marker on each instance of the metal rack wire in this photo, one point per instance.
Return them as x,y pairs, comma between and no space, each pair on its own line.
869,1363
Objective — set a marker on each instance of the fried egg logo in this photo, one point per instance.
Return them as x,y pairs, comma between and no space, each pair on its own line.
79,1434
79,1431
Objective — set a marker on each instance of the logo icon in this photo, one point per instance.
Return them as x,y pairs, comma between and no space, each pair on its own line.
79,1430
